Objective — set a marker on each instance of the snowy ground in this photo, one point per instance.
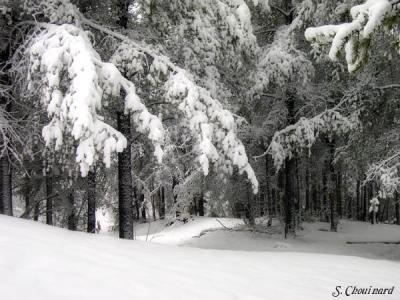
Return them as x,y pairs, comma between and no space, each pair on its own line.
42,262
312,240
180,233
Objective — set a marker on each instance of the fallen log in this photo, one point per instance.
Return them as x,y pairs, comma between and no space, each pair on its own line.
374,242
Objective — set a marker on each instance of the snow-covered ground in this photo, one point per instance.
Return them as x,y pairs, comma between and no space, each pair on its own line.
178,233
312,240
43,262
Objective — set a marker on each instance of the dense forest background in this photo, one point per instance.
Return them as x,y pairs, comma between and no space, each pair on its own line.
155,109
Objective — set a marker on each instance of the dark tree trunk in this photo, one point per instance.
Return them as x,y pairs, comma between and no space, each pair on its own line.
201,205
6,185
250,207
365,207
397,208
143,207
175,182
36,211
290,170
268,186
136,201
339,194
125,180
297,198
289,195
162,204
324,215
358,204
1,190
71,212
153,206
315,201
332,186
308,206
49,199
5,166
26,192
281,193
123,12
91,201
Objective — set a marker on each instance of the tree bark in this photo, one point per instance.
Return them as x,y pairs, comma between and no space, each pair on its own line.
6,184
365,206
308,206
290,169
289,195
324,215
26,192
332,187
125,180
339,194
397,208
162,204
49,199
36,211
1,190
71,212
358,208
91,201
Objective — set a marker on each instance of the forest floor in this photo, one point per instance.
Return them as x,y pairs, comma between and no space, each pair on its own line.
377,241
42,262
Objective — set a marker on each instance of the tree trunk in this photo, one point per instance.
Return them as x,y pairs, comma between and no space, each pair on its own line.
324,215
71,212
91,201
365,207
175,182
26,192
397,208
1,190
358,208
125,180
267,186
201,205
332,186
308,203
136,202
162,204
290,169
249,207
339,194
6,185
49,199
289,195
36,211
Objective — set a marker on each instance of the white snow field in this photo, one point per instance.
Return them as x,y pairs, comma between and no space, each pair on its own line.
42,262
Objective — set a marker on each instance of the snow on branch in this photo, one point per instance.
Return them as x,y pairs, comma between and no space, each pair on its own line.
56,11
75,82
355,37
281,62
285,143
213,126
387,174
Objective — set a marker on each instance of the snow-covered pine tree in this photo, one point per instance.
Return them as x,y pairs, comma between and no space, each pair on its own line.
356,39
78,81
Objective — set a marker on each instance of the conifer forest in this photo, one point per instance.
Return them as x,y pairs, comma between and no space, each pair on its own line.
199,149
